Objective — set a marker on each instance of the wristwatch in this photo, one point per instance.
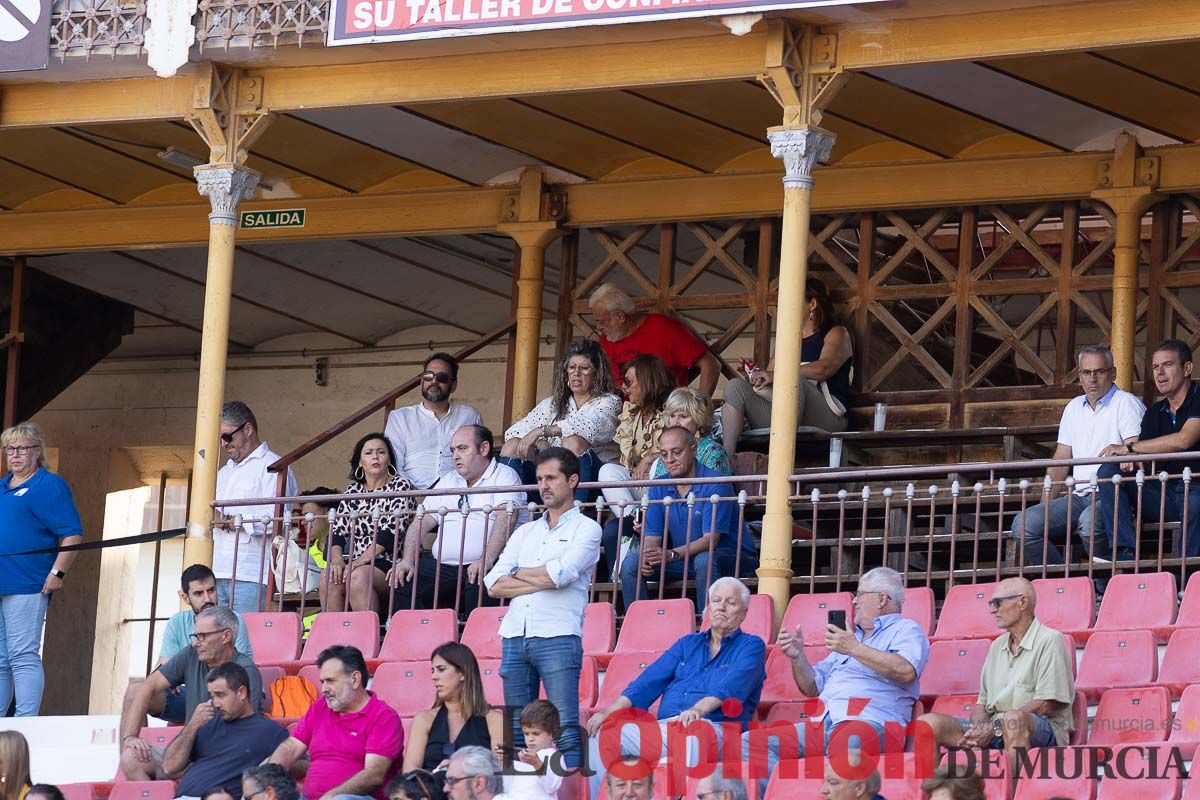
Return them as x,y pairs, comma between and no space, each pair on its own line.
674,556
58,573
1129,446
512,573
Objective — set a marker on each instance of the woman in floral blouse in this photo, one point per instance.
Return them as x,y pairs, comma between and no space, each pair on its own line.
648,382
360,549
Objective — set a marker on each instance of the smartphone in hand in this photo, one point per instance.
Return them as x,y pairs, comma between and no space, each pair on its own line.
838,619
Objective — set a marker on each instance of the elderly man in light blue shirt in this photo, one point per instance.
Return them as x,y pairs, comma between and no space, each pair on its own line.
871,675
545,571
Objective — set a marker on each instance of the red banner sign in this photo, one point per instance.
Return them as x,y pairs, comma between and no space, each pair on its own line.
363,21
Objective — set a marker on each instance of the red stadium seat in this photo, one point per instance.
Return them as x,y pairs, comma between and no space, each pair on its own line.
1117,659
1189,610
953,668
493,684
955,705
760,618
622,669
1131,716
1185,733
991,765
651,626
1137,602
811,613
312,674
143,790
792,711
405,686
269,675
779,686
815,652
1066,604
1142,761
1044,788
77,791
599,628
413,635
275,636
918,606
1181,662
357,628
965,614
160,736
1079,713
481,633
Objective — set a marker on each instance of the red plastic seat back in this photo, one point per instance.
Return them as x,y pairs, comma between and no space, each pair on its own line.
274,635
954,667
413,635
955,705
780,685
918,606
760,618
493,684
482,631
143,790
1143,761
1066,604
1131,716
811,613
357,628
1186,730
1181,661
160,736
965,614
622,670
599,628
1118,658
651,626
405,686
1135,602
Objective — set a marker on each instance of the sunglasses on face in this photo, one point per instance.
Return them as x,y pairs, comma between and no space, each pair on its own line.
995,603
440,377
228,437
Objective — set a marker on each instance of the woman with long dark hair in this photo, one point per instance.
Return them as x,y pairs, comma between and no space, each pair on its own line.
825,355
460,715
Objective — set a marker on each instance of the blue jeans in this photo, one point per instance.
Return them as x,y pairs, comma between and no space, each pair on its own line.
633,585
1030,527
589,469
21,619
245,598
1152,491
631,744
555,662
773,745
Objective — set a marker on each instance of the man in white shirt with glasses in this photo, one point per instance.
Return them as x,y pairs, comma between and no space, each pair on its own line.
468,540
420,434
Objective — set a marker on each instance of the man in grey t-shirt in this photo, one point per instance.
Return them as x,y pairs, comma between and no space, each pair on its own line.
212,645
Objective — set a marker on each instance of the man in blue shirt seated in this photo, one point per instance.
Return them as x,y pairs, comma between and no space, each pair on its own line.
224,737
690,532
715,676
871,675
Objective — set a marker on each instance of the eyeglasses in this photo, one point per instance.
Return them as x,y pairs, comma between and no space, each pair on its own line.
580,368
20,449
203,636
1094,373
995,602
861,593
440,377
450,782
228,437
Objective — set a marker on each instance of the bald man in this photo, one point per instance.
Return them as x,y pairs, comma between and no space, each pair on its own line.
1026,687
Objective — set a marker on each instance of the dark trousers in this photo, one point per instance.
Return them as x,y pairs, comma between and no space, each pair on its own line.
1152,493
446,577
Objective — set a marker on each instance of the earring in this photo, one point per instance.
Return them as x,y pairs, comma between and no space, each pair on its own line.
391,470
359,474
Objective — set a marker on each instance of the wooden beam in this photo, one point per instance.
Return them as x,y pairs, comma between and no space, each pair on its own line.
1094,24
28,105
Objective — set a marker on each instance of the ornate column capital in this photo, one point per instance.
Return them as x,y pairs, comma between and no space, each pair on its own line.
800,149
225,186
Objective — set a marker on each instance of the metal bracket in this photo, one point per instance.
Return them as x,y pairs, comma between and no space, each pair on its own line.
321,368
553,207
228,112
801,71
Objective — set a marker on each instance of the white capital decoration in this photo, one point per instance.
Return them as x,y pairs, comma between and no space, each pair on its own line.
225,186
800,149
170,36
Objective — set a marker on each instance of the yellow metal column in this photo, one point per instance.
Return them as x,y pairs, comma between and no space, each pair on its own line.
1131,181
800,149
225,185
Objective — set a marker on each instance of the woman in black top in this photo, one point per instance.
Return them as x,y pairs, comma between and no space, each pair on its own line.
460,715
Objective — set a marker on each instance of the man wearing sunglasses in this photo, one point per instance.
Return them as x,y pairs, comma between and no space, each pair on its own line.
239,558
1026,687
420,434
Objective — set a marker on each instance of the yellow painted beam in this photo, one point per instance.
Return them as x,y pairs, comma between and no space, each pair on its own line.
1090,25
505,73
25,105
839,188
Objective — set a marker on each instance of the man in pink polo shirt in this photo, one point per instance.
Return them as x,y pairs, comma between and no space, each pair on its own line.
353,738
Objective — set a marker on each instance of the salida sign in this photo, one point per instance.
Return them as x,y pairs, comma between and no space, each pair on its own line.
280,218
363,21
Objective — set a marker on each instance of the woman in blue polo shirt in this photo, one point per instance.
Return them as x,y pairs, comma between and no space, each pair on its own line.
36,513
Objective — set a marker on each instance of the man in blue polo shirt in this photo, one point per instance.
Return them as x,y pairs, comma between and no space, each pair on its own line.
714,675
1172,425
689,531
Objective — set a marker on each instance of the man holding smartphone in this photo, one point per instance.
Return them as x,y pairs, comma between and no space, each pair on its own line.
871,675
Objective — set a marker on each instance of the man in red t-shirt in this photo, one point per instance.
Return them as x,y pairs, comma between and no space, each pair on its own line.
625,333
354,739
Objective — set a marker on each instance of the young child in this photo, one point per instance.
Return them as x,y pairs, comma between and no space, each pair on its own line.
537,779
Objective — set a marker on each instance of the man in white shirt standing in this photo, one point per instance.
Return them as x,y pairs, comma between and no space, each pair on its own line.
241,552
545,571
468,540
1104,415
420,434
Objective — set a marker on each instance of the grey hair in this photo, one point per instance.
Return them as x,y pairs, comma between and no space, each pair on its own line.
743,589
736,788
480,762
30,430
613,298
627,758
224,617
235,412
272,776
695,404
886,580
873,782
1096,350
